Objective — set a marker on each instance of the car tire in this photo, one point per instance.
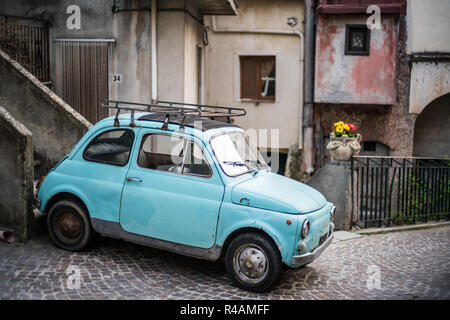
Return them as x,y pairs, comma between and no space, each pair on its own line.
253,261
69,225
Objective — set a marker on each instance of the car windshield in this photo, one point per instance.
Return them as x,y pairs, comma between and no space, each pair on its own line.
236,154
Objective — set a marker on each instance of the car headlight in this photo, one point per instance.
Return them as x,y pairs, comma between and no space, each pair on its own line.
333,209
305,228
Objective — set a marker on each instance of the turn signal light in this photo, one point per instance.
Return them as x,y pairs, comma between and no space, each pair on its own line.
38,185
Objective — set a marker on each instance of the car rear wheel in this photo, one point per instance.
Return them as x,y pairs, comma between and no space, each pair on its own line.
253,261
69,225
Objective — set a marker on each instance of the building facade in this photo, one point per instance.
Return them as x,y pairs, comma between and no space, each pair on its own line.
428,47
255,60
129,50
391,81
382,78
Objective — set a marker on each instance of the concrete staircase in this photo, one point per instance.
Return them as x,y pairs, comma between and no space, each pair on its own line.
39,128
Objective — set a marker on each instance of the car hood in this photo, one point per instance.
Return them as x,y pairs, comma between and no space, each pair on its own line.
277,193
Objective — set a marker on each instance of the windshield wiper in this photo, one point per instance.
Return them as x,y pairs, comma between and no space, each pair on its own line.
240,164
255,163
236,163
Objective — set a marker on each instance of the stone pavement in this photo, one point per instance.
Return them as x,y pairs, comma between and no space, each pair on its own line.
402,265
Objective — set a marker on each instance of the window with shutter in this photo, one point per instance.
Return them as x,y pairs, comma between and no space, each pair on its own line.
257,77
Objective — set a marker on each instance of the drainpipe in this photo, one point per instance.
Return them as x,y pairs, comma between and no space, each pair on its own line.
308,109
270,31
154,57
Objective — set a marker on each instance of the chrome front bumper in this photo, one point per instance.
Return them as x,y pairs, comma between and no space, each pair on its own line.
306,258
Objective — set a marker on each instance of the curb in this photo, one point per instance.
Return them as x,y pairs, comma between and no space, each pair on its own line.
421,226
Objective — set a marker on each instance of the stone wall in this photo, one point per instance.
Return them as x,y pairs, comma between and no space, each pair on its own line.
16,171
429,81
55,125
334,181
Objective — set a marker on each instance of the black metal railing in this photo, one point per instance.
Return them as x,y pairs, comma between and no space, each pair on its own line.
27,41
393,190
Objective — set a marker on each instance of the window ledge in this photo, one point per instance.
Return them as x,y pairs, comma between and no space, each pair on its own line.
257,100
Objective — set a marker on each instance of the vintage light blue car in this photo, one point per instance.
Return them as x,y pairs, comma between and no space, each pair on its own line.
172,178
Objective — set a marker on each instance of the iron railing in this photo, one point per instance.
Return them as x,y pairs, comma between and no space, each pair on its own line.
27,41
392,190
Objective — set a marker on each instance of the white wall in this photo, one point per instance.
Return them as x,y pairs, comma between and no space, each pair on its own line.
222,77
428,24
130,56
171,43
192,36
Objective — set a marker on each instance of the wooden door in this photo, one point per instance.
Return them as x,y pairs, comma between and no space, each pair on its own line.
82,76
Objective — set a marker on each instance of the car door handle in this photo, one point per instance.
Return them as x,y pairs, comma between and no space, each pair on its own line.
133,179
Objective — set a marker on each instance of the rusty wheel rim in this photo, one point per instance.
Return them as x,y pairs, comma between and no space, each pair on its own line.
250,263
69,225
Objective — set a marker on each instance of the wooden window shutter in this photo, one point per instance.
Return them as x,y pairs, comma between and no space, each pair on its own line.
249,80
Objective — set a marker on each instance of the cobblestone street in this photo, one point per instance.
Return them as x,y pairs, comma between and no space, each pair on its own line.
411,265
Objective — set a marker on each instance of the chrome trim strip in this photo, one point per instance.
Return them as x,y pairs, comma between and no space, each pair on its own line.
333,211
306,258
114,230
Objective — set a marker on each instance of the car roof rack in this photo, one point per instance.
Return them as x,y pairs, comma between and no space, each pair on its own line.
173,109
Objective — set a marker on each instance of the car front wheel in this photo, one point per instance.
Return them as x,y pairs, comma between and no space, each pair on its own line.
253,261
69,225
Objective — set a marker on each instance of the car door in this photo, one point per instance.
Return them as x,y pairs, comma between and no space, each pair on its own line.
101,168
171,191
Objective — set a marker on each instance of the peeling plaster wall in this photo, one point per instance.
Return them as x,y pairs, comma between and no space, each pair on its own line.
354,79
222,67
391,125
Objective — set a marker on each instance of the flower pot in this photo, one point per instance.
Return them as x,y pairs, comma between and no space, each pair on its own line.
343,148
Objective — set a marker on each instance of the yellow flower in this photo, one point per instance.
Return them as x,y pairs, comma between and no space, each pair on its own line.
340,123
339,129
346,127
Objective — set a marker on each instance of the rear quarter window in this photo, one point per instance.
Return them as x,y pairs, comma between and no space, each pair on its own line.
110,147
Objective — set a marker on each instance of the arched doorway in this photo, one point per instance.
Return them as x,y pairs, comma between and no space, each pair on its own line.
432,129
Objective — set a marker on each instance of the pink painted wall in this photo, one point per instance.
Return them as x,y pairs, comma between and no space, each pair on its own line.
341,78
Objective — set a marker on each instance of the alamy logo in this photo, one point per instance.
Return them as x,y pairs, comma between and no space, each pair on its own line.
374,21
374,277
74,20
74,277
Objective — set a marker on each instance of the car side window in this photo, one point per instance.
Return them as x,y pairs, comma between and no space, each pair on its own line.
110,147
174,154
